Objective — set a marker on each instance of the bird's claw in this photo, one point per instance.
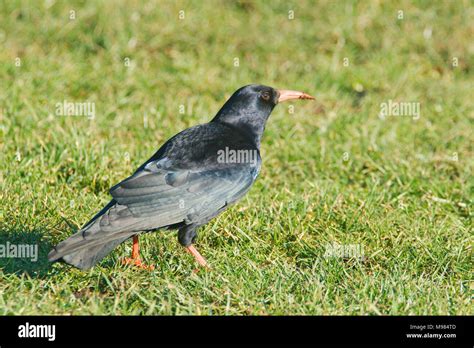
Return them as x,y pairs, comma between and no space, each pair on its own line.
137,263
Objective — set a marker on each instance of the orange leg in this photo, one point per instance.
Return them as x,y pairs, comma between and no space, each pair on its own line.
201,260
135,259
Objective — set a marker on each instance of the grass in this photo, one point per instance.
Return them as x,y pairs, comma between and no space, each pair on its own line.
334,172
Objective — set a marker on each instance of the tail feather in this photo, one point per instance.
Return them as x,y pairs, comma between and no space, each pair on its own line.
87,257
90,244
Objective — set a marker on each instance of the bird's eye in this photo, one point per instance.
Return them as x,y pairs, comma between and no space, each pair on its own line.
265,96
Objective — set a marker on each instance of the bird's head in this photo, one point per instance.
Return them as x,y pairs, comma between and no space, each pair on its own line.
250,106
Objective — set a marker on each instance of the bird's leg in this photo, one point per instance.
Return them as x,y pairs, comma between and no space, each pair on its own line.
135,248
186,237
135,259
193,251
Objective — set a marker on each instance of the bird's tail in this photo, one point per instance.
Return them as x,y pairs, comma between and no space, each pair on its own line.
86,258
90,244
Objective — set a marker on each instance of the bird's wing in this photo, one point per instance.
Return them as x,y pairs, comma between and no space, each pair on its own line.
162,194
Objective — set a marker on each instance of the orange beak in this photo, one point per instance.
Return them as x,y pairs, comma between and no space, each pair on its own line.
289,95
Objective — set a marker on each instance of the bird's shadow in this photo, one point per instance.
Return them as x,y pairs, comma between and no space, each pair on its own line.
24,252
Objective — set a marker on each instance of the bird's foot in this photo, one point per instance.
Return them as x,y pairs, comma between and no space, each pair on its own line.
137,263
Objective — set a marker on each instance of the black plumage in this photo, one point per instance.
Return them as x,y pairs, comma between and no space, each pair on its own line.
184,184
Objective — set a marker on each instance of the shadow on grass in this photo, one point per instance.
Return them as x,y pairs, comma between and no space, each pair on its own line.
24,252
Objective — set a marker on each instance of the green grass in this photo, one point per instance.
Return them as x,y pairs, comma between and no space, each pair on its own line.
333,170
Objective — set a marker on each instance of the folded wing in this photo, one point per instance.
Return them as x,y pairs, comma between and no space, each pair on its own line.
160,195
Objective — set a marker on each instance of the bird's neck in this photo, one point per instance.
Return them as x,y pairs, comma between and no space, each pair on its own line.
248,120
250,126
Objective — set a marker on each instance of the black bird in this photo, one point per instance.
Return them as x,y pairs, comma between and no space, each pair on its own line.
192,178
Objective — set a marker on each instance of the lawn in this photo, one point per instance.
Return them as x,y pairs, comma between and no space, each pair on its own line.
355,211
